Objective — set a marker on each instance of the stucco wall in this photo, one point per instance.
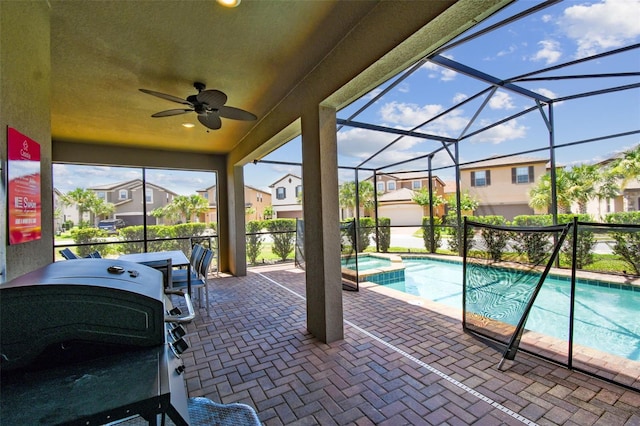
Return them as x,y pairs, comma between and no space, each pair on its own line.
25,80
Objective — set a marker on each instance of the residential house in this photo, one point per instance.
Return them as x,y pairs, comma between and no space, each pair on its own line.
286,197
209,194
502,185
127,197
395,197
256,201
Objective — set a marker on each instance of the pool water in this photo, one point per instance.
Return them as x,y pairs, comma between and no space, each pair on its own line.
366,262
606,319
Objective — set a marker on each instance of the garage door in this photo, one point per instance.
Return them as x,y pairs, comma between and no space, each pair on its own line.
402,214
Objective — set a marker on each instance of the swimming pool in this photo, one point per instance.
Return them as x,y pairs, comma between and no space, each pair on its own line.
366,262
606,318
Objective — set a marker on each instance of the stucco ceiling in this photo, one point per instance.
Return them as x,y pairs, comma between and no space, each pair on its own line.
102,52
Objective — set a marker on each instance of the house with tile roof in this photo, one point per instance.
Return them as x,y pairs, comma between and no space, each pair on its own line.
286,197
127,197
255,202
502,184
395,197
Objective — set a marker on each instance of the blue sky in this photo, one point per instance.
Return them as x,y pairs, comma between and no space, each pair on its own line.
555,35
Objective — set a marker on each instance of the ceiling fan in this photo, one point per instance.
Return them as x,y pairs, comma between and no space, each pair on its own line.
208,104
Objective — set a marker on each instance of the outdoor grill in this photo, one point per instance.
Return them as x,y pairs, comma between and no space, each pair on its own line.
91,341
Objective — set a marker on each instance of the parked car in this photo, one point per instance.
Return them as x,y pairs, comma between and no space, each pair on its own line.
111,226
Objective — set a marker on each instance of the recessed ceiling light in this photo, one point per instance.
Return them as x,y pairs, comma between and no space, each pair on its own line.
189,125
229,3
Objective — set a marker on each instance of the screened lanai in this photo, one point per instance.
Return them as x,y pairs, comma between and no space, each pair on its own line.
536,91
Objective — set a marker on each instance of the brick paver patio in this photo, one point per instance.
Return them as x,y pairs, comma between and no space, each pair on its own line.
399,364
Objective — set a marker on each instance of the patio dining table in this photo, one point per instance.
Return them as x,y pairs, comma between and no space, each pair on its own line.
178,259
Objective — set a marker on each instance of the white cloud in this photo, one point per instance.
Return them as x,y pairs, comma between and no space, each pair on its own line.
459,97
403,88
503,132
548,93
437,71
406,114
549,52
447,74
511,49
601,26
547,18
501,100
360,144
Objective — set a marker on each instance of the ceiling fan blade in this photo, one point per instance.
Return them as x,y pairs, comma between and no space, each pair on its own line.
167,97
213,98
235,113
211,121
171,112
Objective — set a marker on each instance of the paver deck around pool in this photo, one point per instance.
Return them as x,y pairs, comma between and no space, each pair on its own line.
399,363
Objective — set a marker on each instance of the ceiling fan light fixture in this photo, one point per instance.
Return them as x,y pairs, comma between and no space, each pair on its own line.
188,125
228,3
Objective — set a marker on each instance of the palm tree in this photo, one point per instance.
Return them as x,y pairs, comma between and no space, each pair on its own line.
87,201
584,179
183,207
627,167
540,195
347,195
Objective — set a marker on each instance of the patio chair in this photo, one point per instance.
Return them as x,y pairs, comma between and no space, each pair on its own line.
196,257
200,281
95,255
203,411
163,266
204,241
68,254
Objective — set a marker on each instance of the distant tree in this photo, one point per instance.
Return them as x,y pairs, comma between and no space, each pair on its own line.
467,202
87,201
267,213
423,198
283,234
347,195
583,181
254,239
578,184
627,167
540,194
183,207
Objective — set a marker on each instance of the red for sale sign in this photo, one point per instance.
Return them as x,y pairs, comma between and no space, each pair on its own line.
25,219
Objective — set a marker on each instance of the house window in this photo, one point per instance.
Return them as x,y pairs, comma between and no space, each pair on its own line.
122,194
522,175
380,186
481,178
259,198
281,193
416,184
205,195
148,196
101,195
298,191
391,185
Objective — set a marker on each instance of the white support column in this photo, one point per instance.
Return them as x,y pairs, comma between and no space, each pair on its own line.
321,224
